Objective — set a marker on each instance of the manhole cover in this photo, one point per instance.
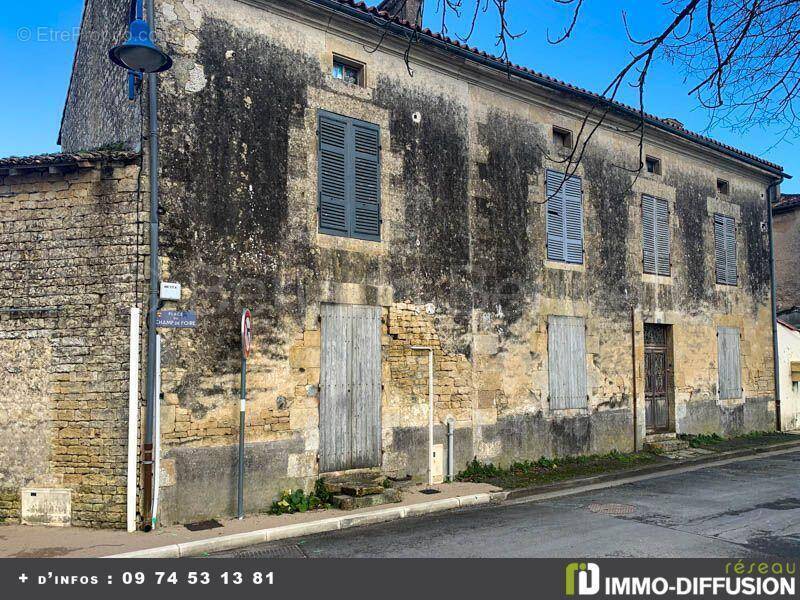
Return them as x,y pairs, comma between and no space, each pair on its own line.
615,510
292,551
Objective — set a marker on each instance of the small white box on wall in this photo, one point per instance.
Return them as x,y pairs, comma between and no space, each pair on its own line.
46,506
437,464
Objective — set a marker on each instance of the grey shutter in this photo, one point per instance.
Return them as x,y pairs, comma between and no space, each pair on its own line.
566,347
564,218
656,236
730,251
730,371
333,192
725,250
663,242
556,236
366,216
649,233
573,202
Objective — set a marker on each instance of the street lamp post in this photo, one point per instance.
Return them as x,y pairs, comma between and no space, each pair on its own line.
140,55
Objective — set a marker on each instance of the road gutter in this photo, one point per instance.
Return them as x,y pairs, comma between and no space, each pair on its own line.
534,494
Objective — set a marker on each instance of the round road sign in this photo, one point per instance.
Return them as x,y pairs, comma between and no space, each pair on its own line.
247,333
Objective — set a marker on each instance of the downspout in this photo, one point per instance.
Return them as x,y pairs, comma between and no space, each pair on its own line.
771,196
147,462
635,391
429,350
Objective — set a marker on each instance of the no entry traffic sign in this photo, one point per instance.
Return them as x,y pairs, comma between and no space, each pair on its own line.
247,333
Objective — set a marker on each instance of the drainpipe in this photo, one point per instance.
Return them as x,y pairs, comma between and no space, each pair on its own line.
429,350
635,392
133,418
450,444
147,462
771,195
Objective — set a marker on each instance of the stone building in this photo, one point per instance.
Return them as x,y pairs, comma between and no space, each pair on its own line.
786,225
363,214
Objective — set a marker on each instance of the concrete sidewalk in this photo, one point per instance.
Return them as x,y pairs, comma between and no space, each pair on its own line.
21,541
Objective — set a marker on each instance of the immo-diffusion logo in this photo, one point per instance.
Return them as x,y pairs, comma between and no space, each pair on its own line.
588,577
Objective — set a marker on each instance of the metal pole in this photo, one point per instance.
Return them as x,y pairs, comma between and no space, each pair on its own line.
771,193
154,283
242,407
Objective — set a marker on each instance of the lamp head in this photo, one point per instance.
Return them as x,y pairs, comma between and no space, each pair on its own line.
139,53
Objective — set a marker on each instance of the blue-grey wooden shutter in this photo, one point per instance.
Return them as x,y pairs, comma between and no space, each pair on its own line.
730,370
333,180
725,250
649,233
556,235
566,348
366,206
656,236
564,218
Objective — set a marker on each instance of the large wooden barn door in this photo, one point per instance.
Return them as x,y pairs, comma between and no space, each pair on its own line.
350,394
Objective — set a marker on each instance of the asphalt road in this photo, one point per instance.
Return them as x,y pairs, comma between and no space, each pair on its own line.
747,509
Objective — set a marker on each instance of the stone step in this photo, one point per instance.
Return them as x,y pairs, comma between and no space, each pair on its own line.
388,496
660,437
668,445
353,488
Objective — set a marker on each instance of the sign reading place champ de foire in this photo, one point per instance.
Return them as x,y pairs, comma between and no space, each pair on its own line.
176,319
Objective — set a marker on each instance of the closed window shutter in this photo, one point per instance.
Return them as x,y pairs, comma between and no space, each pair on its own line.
663,243
730,371
564,218
573,201
567,362
730,251
366,184
333,192
349,177
725,250
649,233
656,236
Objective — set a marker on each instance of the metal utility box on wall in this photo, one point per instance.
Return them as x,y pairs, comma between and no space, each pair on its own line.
46,506
437,464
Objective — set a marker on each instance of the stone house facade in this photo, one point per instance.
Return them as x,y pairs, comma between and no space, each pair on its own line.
786,225
364,215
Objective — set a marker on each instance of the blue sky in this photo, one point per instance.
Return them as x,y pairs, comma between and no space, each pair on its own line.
37,43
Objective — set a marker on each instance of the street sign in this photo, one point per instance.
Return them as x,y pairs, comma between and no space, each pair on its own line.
247,333
176,319
170,291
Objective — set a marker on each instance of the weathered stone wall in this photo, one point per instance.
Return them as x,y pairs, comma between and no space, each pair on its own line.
69,248
461,266
98,112
786,227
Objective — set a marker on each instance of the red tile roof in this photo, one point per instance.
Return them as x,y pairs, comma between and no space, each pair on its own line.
66,159
455,45
787,202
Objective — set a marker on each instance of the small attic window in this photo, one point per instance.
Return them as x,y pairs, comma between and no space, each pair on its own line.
562,138
723,187
347,70
653,165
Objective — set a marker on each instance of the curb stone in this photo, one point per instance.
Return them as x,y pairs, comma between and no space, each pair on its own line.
241,540
569,487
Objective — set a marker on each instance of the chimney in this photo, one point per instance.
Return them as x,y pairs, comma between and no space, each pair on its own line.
407,10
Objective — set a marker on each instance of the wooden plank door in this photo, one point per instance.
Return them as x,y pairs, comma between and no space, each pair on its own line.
350,382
